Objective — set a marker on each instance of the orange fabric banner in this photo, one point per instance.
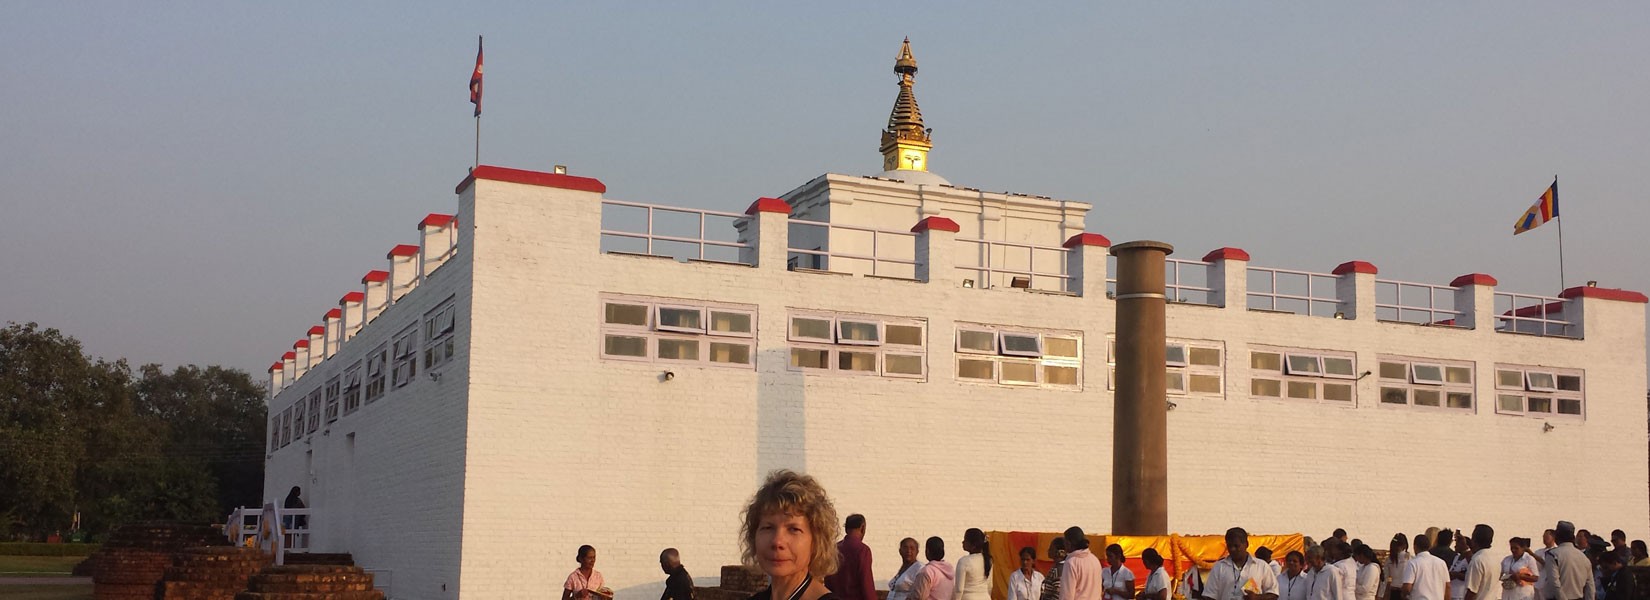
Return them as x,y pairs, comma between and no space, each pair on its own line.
1180,553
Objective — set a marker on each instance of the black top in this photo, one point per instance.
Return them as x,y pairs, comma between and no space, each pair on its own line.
1444,552
1620,586
763,595
679,585
293,500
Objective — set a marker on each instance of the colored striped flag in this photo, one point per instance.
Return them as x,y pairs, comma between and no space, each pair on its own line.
1544,210
475,80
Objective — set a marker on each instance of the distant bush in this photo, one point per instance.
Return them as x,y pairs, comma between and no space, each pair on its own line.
37,549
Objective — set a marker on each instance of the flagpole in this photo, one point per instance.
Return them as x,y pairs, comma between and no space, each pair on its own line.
478,165
1559,217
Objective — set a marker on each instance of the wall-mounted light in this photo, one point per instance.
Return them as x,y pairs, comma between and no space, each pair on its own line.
968,283
1592,283
1023,283
434,375
1546,427
668,375
1363,375
561,169
1340,315
1172,405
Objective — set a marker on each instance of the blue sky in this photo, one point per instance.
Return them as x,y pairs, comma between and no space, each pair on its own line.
199,182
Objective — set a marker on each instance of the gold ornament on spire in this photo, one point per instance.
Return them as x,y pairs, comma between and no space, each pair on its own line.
905,143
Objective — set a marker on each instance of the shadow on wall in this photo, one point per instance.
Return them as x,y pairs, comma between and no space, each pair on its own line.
781,415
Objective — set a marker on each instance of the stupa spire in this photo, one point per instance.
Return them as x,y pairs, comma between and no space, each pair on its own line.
906,142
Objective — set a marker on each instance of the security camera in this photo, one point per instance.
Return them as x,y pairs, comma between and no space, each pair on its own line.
435,376
669,375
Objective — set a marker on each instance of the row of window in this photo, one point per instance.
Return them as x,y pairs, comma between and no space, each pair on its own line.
363,381
675,331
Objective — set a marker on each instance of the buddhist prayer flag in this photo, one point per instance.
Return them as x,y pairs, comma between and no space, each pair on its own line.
475,80
1544,210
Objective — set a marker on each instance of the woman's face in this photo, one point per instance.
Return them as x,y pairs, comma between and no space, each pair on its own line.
1516,550
908,550
1027,562
784,545
1114,558
589,560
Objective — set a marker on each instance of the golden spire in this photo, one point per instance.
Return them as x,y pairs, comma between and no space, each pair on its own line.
905,143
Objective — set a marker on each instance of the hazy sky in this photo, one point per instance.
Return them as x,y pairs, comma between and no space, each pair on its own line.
199,182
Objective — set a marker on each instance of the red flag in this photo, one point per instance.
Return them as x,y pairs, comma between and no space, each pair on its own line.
475,80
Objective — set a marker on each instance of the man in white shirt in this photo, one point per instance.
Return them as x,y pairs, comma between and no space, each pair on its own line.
1239,576
1484,572
1426,577
1295,583
1326,579
1341,552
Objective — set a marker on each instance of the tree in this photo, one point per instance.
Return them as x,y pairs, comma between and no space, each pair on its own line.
215,420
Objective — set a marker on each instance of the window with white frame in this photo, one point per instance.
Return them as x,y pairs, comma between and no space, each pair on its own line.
678,331
377,363
334,386
1313,375
1539,391
1195,368
314,409
298,423
286,427
1005,355
404,354
438,335
856,344
1426,383
352,388
275,433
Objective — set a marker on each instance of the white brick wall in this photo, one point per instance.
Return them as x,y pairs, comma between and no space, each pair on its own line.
562,448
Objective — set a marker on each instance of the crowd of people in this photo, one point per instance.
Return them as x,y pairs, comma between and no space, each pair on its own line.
790,524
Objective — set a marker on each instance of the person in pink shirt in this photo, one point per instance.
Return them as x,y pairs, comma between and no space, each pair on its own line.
585,582
938,578
1080,579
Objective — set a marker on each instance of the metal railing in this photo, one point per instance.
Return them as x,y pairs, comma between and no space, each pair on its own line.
1307,293
1176,288
679,233
989,273
1418,303
1532,315
884,258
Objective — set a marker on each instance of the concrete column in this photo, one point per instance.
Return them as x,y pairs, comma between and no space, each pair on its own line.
317,345
276,377
1475,300
289,368
376,287
766,232
937,250
1140,435
1603,311
1086,263
350,306
334,322
1229,277
404,269
436,239
1355,290
301,348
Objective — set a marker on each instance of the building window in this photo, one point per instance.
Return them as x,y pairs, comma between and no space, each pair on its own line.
678,331
1539,391
334,385
286,427
1195,368
1312,375
438,335
1020,357
275,433
352,388
298,422
315,410
377,360
855,344
1425,382
404,353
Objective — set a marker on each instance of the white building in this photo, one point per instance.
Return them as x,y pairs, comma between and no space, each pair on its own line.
515,385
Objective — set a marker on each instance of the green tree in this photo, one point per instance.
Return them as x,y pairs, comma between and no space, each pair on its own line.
215,420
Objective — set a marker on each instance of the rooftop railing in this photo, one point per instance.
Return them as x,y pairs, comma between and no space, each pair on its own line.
830,247
1187,282
679,233
1299,292
1011,264
1418,303
1531,315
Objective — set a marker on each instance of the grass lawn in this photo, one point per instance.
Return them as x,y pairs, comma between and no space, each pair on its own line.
37,566
46,592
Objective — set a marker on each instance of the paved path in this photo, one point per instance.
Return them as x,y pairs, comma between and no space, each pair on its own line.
45,580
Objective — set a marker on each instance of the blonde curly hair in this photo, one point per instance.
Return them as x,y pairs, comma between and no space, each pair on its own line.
792,493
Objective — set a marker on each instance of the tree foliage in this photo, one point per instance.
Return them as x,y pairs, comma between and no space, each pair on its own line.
78,434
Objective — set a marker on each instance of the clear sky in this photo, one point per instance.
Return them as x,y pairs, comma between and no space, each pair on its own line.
199,182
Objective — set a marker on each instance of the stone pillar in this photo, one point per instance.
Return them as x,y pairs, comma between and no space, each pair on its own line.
1140,429
301,347
1354,290
1475,300
350,305
334,322
1228,277
937,250
766,233
1086,263
276,377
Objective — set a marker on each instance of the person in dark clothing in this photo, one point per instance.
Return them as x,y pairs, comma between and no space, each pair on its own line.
1442,547
853,579
1618,581
678,584
294,498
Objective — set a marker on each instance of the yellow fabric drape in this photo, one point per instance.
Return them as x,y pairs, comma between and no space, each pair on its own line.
1179,552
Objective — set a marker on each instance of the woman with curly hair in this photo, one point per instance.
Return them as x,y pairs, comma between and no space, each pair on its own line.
789,532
